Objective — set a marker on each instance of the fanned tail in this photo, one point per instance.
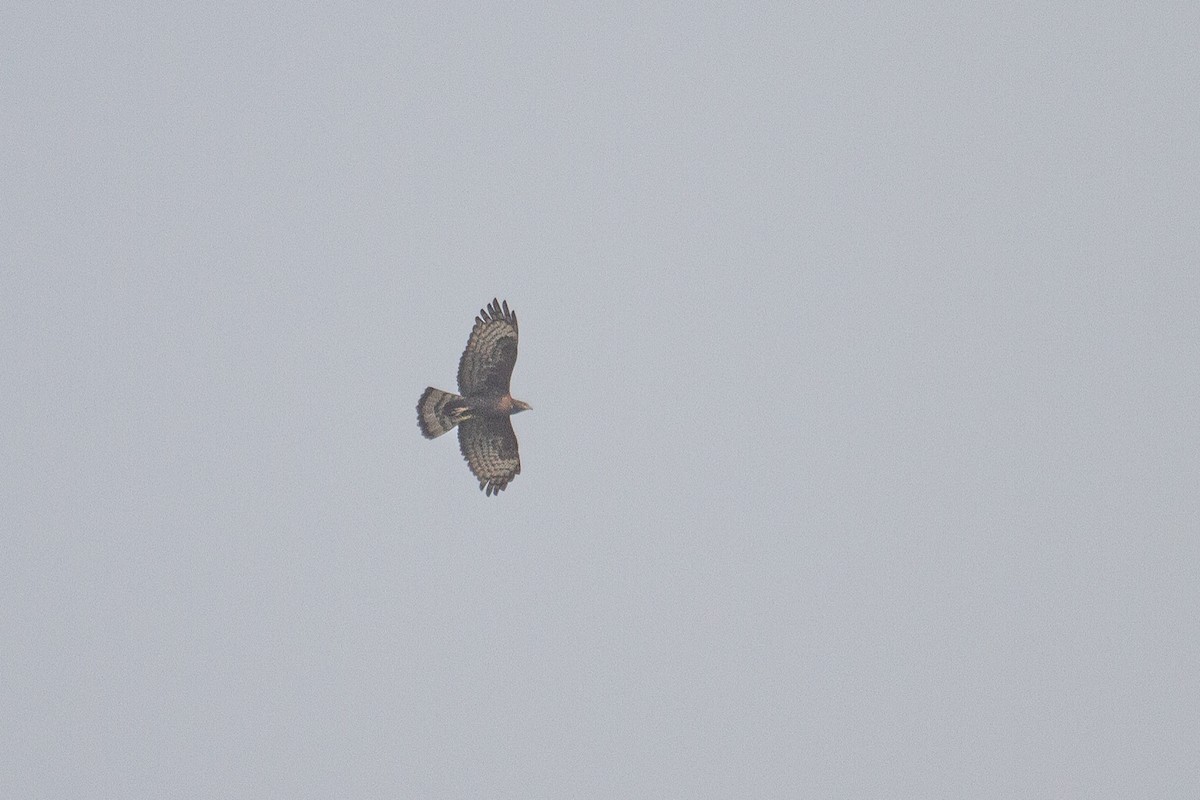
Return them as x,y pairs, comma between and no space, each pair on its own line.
438,412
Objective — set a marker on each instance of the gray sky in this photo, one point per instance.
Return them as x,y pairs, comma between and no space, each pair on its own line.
864,458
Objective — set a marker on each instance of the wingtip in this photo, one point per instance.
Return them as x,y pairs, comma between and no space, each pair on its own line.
491,487
496,310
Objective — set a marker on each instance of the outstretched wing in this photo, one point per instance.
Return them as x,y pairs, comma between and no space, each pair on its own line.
490,448
487,364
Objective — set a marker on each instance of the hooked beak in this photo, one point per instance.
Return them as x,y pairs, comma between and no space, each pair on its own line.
520,405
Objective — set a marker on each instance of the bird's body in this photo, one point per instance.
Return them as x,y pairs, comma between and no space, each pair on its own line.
481,412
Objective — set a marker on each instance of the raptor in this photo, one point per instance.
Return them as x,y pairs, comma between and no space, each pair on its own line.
482,409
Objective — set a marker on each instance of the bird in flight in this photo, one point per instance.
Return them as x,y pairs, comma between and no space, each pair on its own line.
481,412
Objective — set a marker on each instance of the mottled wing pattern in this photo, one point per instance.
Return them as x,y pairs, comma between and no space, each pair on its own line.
490,448
487,364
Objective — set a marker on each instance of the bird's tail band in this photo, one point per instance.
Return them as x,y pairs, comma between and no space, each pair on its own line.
438,412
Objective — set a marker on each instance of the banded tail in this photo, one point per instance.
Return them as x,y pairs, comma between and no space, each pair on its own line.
438,412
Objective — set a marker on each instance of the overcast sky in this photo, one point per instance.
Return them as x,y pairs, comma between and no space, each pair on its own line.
862,346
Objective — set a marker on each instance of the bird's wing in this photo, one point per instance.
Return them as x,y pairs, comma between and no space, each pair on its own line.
487,363
490,447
